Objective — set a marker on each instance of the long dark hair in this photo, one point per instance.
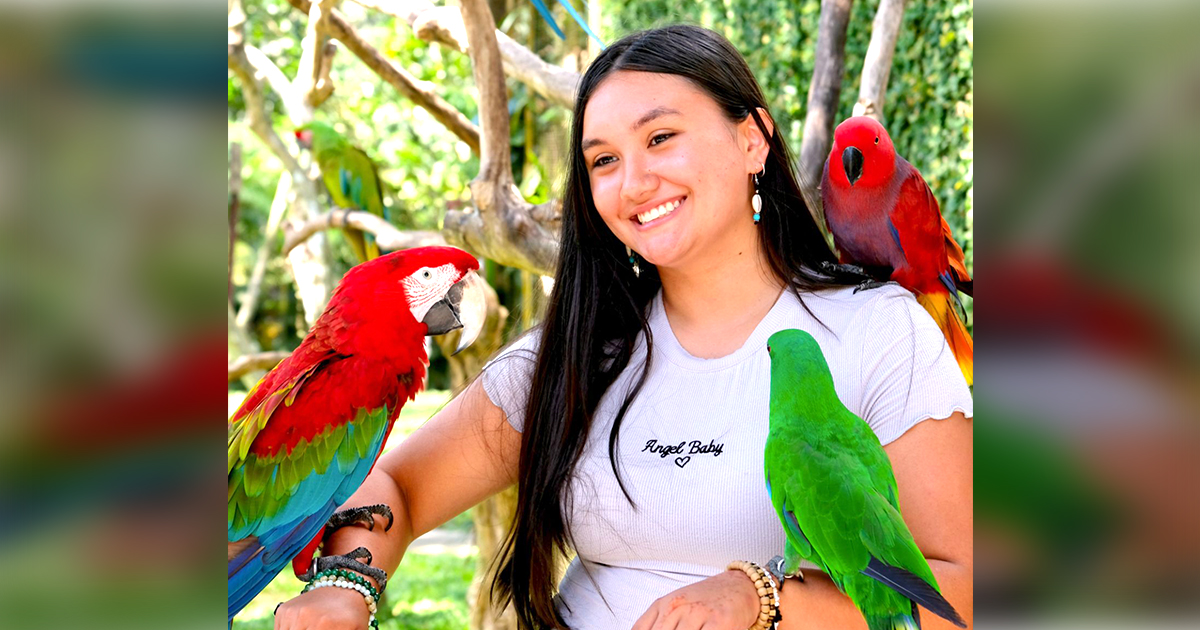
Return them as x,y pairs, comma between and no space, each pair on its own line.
598,306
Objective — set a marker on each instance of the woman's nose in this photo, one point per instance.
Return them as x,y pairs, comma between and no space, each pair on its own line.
639,182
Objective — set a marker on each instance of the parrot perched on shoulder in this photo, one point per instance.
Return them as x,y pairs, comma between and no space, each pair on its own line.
351,177
885,220
833,488
309,432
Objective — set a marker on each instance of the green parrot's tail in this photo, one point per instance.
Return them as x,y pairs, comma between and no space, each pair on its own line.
916,590
910,621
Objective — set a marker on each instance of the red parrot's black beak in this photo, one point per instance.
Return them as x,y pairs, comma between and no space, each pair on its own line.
852,161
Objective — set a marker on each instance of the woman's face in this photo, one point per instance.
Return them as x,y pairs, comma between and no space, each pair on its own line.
669,172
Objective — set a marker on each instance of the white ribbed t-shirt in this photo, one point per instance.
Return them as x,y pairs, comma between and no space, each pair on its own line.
691,444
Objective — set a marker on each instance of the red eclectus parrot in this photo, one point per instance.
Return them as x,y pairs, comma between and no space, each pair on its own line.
351,177
886,222
309,432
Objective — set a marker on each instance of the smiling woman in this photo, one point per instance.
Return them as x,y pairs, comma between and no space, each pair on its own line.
634,418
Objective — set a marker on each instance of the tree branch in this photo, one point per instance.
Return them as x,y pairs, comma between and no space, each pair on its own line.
444,25
235,197
877,65
256,111
823,95
247,363
254,285
386,234
309,266
502,226
313,80
420,92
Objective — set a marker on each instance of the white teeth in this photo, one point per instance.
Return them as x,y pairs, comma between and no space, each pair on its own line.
659,211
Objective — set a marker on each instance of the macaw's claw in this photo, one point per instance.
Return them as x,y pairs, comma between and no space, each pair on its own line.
364,515
349,562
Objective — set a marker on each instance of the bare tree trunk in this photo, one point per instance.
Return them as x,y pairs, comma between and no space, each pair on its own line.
254,285
494,515
444,25
502,226
309,264
235,195
823,94
877,65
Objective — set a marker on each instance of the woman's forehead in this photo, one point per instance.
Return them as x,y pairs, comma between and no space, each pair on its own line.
627,99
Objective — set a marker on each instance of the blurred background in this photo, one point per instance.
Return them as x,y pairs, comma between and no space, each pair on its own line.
115,160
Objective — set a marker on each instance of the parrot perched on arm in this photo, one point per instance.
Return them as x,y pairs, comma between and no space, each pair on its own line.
351,177
883,218
833,488
309,432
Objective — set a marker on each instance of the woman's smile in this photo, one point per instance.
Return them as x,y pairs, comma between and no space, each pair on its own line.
658,214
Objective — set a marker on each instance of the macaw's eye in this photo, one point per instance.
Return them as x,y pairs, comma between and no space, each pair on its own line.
426,274
876,139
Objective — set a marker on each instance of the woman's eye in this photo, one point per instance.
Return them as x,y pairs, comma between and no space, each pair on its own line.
602,160
658,139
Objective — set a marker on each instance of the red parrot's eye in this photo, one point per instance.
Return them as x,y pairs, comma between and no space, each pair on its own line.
876,139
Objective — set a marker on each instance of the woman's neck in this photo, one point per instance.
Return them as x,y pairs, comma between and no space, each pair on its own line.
713,307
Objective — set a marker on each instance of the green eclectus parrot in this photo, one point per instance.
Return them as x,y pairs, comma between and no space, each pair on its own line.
351,177
832,486
308,433
886,221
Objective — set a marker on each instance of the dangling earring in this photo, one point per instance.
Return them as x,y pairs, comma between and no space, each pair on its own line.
637,271
756,200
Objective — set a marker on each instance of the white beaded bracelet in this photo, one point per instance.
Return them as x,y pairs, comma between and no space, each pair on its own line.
372,606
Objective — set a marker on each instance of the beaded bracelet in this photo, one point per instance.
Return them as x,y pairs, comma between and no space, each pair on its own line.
768,594
348,579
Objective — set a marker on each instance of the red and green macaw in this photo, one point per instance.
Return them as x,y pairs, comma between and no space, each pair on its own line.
309,432
351,177
833,488
885,220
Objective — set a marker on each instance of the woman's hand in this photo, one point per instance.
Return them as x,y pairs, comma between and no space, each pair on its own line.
329,608
726,601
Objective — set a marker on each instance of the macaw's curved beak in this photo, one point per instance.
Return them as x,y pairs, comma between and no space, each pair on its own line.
464,306
852,161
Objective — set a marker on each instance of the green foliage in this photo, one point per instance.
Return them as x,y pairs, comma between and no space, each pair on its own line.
928,111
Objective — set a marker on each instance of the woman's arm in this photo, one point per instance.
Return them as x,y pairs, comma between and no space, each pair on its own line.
467,452
933,466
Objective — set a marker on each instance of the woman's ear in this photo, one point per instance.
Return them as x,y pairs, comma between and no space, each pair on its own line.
757,144
766,118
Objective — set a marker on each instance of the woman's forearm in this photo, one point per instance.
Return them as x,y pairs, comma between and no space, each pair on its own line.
386,547
817,603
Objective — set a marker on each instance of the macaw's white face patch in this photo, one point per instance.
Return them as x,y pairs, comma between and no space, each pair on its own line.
425,286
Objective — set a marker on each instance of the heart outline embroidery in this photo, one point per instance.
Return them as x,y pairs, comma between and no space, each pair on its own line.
682,461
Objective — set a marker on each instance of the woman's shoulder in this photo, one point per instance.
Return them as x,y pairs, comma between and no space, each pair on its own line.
842,309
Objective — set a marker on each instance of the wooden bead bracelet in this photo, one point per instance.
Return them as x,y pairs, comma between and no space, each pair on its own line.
768,594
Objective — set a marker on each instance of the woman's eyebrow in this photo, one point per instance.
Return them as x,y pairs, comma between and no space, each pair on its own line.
657,112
